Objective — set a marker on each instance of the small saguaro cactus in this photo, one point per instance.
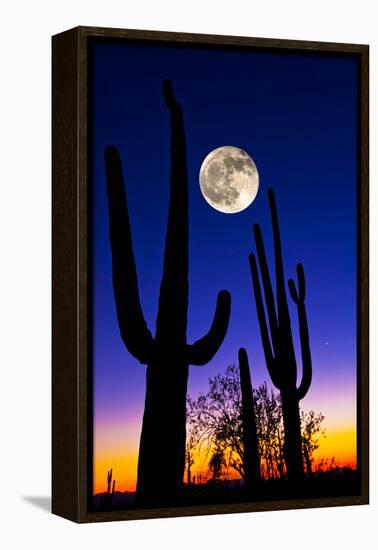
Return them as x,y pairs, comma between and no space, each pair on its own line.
278,345
107,498
251,458
167,355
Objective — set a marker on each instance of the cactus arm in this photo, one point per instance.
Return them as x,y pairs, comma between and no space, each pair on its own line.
299,299
284,323
133,327
306,353
267,284
271,361
173,299
202,351
283,311
301,294
280,277
109,480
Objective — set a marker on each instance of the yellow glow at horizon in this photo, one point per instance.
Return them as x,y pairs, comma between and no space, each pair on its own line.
338,443
124,472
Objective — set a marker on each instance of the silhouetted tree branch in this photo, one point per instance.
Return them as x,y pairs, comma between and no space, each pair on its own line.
215,426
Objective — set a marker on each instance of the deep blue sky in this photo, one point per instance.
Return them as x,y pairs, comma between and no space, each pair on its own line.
296,115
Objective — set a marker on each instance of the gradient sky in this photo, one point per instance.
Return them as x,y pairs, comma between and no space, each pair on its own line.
296,115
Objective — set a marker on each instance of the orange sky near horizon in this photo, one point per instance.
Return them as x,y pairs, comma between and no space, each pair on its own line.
116,440
338,443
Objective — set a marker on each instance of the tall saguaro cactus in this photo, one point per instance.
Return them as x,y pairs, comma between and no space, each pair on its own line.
278,344
167,355
251,458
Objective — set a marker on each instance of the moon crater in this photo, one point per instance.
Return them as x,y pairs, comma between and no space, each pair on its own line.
229,179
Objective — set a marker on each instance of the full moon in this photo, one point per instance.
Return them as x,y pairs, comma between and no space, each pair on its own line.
229,179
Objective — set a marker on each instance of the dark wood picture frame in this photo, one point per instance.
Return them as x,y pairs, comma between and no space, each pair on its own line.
71,288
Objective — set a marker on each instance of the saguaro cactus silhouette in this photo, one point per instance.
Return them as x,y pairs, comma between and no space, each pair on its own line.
107,498
278,345
251,458
167,355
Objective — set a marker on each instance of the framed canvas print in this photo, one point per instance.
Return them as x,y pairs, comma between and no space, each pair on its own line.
210,274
